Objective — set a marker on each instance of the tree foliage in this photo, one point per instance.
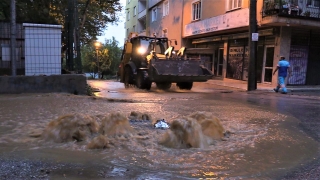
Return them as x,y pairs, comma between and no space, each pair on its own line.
115,52
94,15
109,56
89,60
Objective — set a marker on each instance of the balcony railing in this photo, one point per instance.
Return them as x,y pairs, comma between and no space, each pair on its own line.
142,14
309,9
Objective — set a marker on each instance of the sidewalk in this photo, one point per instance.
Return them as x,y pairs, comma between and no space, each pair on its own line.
239,84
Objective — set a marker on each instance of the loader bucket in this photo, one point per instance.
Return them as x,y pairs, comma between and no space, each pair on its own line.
179,70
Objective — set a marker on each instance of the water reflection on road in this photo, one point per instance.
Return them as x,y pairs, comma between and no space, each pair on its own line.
265,143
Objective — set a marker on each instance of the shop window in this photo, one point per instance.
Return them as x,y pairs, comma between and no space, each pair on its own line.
196,10
234,4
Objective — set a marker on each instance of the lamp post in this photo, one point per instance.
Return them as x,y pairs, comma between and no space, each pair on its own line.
97,45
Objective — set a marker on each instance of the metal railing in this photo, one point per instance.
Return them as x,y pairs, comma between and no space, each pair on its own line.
308,9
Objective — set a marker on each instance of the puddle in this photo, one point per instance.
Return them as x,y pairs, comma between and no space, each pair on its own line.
262,144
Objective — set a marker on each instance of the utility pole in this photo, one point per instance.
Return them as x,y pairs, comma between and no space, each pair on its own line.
252,81
13,38
97,45
98,63
77,39
70,40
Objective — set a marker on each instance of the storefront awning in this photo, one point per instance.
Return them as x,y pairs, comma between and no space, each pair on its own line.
265,32
199,51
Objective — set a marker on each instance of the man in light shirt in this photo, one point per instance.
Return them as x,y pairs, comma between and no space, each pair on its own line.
282,68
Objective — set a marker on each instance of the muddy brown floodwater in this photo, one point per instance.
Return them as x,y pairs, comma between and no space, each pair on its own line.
262,145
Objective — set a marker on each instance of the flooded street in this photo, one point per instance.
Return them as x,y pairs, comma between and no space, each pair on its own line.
265,140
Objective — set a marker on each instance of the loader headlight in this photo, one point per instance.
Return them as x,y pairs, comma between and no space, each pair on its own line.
141,50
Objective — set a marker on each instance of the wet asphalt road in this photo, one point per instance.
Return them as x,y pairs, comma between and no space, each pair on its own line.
304,106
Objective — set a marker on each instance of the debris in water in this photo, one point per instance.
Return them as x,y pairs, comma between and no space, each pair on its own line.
70,127
161,124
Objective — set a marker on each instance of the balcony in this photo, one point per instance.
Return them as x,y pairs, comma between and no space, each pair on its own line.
308,9
142,14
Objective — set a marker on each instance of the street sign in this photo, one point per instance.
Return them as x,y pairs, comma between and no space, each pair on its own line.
255,36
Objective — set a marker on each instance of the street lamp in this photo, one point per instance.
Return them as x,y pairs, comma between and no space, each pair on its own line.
97,45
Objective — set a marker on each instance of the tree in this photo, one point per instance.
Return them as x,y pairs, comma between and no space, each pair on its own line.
114,54
104,61
95,59
82,22
109,57
89,63
94,15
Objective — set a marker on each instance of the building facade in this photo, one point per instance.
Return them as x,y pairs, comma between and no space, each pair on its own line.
217,32
136,11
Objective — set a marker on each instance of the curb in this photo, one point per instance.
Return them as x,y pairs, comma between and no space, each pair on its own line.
271,89
303,89
290,90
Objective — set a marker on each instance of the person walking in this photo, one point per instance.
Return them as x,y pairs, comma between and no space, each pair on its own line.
282,68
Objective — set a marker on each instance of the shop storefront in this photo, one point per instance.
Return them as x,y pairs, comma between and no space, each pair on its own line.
238,59
230,53
304,57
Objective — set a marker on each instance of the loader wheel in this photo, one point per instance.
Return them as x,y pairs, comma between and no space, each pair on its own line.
163,85
143,81
185,85
128,77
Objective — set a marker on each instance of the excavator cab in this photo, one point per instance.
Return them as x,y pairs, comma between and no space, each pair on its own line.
157,46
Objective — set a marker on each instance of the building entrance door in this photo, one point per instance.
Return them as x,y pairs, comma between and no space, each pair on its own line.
220,62
206,60
267,64
260,55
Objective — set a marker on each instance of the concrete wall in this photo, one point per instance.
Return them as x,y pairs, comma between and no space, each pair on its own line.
69,83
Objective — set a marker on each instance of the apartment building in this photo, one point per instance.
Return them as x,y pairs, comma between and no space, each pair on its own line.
217,32
135,17
162,18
